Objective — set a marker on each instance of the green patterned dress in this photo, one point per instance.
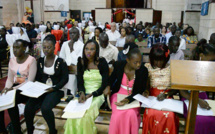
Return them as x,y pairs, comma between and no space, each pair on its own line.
86,125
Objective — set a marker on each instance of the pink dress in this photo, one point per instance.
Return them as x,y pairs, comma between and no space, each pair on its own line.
124,121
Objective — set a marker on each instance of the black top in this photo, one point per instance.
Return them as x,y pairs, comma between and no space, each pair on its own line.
60,77
139,83
104,71
32,34
3,43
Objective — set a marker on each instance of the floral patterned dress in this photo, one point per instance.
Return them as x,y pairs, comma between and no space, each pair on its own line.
156,121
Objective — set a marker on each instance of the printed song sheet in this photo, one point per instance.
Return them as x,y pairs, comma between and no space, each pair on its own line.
33,89
7,100
74,106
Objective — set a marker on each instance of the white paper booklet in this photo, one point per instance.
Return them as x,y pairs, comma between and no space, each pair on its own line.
202,111
77,115
7,100
74,106
133,104
165,105
33,89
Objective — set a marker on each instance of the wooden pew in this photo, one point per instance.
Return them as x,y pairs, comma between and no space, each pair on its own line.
195,76
142,44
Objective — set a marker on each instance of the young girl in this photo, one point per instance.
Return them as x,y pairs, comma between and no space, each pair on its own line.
52,71
204,124
22,68
155,121
129,78
121,41
92,80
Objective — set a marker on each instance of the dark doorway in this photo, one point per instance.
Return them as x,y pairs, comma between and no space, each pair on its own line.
182,17
127,3
93,13
74,13
157,16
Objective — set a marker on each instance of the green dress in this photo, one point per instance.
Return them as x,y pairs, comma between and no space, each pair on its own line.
86,125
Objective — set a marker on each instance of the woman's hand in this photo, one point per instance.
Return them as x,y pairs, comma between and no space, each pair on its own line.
107,91
122,102
146,93
161,97
5,90
82,98
49,90
88,96
204,104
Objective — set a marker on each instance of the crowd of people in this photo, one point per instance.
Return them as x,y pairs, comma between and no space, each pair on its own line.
79,57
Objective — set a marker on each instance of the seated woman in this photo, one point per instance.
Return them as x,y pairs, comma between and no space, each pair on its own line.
121,41
140,38
163,30
22,68
189,36
155,121
58,35
52,71
92,80
182,41
204,124
129,78
98,30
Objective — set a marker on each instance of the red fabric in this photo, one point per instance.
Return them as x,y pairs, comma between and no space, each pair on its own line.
58,34
159,122
69,26
108,26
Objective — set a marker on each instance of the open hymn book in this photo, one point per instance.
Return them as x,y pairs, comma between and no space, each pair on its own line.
7,100
33,89
165,105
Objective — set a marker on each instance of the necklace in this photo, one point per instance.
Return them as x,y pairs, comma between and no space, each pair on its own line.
128,85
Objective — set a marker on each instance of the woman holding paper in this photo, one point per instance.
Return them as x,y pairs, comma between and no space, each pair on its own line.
22,68
128,78
204,124
92,80
155,121
51,71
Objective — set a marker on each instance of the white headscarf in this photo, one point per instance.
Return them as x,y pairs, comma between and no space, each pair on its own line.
11,38
56,27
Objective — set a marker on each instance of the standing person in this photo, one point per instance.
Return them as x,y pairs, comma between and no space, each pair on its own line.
182,41
92,80
121,41
107,50
190,36
129,78
22,68
52,71
157,37
98,31
70,52
204,124
171,33
113,34
156,121
175,52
